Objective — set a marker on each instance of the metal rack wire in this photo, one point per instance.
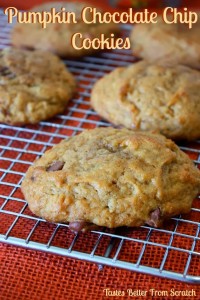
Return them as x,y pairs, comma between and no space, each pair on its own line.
176,246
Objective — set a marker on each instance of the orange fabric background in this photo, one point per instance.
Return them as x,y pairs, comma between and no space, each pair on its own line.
27,274
31,275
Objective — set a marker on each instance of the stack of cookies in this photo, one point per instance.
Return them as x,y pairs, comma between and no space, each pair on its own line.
109,177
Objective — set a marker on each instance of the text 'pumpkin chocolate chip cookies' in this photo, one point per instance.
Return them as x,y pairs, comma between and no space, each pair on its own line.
112,177
57,37
175,43
151,97
34,86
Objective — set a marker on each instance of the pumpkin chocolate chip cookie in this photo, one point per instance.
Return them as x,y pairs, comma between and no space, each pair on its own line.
174,43
34,86
112,177
151,96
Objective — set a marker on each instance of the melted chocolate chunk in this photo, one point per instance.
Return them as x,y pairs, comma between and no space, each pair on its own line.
83,226
56,166
32,178
90,227
27,48
77,226
155,219
6,72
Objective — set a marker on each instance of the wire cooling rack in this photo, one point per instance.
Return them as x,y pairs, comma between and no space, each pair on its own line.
172,252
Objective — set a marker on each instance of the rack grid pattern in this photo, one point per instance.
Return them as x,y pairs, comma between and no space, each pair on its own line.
172,252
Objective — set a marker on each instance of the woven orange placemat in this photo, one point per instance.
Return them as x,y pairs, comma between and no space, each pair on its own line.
28,274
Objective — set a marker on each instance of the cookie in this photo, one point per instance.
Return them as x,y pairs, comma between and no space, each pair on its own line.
34,86
174,43
151,97
112,177
57,37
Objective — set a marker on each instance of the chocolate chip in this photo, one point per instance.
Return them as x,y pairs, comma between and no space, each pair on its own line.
77,226
32,178
27,48
5,71
155,219
56,166
83,226
90,227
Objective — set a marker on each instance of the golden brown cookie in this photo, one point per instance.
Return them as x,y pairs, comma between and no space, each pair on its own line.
57,37
174,43
151,97
112,177
34,86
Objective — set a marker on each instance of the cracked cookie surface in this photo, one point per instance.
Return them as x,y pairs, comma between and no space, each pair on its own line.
112,177
56,37
34,86
149,96
175,43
